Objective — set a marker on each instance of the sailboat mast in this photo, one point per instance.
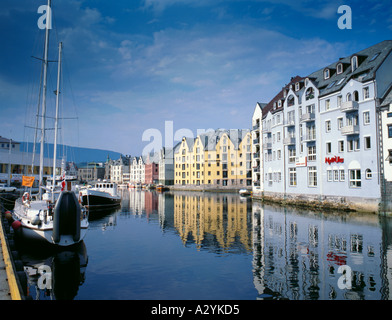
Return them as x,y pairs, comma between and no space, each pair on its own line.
56,119
43,115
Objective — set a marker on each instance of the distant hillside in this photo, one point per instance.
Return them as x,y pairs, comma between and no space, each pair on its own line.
75,154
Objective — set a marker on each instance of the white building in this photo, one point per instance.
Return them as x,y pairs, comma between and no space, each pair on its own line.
119,170
320,139
137,171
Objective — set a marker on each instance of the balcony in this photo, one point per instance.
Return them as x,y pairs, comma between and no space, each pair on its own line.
256,141
289,141
266,129
289,123
256,169
256,126
349,130
306,117
309,137
349,106
256,155
267,145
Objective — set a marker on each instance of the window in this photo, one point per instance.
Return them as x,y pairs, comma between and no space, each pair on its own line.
312,153
366,117
368,174
368,144
297,86
339,68
355,178
329,147
341,146
329,175
293,177
340,81
340,123
348,97
327,104
335,175
356,95
342,175
292,155
312,177
366,94
328,126
374,57
354,63
326,74
390,131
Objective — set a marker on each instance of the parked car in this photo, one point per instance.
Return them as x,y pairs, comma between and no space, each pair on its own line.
5,188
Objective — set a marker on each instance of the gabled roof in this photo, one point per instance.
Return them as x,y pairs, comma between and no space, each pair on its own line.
280,96
369,60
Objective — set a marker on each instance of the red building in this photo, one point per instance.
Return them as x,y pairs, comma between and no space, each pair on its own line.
151,172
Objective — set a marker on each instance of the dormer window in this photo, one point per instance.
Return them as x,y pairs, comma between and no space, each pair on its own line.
326,74
339,68
354,63
280,103
297,86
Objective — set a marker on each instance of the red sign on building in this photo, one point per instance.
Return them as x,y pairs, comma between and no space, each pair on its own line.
334,159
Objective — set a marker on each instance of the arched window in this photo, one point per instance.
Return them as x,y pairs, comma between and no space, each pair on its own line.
368,174
348,97
309,94
290,100
354,63
356,96
326,74
339,68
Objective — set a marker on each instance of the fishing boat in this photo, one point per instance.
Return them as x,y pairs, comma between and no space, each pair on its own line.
244,192
103,195
161,188
54,215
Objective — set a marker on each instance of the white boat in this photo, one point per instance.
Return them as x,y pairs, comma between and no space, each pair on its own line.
103,195
244,192
54,215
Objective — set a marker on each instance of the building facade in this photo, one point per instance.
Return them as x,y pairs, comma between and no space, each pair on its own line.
119,170
151,169
166,166
319,137
14,163
137,171
216,159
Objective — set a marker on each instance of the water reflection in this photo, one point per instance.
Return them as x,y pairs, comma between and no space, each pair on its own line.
53,275
297,254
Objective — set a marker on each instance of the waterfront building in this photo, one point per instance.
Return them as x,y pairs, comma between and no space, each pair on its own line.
14,163
119,170
318,137
137,171
166,166
215,159
91,171
151,169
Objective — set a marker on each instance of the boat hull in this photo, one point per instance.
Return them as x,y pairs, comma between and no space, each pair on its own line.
100,200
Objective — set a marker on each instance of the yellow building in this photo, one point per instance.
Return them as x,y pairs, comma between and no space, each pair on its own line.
219,159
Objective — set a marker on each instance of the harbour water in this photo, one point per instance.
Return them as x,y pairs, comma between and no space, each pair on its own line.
220,246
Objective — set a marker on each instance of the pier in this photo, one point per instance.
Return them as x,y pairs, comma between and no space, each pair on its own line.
10,288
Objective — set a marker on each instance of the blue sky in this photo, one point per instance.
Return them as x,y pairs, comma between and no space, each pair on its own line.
129,66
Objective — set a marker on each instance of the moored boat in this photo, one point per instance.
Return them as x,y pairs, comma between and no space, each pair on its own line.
102,195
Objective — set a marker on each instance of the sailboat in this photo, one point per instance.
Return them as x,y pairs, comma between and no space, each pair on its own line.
54,215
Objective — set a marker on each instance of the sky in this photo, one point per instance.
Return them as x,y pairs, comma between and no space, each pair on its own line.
140,74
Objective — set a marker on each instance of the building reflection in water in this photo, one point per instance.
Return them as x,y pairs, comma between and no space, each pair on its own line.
297,255
223,219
